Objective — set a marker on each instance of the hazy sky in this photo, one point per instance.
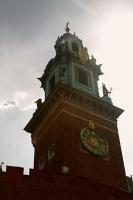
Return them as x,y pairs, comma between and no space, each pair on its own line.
28,31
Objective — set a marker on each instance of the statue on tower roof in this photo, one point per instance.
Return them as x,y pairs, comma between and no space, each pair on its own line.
93,60
106,93
67,29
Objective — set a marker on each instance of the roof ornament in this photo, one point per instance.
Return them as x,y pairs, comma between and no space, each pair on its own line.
39,103
106,93
67,29
93,60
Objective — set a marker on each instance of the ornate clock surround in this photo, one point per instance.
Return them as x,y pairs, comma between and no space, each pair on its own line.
94,142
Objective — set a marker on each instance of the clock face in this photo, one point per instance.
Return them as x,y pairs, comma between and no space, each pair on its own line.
94,142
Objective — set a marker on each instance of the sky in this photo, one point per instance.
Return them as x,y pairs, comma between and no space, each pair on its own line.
28,31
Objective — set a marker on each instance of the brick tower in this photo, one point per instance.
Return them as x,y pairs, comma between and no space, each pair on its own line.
74,131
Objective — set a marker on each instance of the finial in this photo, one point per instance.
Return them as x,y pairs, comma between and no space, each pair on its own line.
67,29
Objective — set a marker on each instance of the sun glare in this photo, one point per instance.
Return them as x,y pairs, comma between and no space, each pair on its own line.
115,52
116,36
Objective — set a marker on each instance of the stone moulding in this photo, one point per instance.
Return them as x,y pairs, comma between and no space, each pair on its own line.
63,93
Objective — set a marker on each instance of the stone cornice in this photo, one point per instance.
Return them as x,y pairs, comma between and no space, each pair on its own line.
92,104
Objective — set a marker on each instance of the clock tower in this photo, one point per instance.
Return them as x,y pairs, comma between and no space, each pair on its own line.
74,131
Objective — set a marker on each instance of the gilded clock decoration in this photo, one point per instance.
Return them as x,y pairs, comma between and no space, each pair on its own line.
94,142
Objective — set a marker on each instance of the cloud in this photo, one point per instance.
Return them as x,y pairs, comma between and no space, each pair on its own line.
7,104
16,148
22,18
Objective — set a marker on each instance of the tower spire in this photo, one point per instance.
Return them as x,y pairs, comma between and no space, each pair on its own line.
67,29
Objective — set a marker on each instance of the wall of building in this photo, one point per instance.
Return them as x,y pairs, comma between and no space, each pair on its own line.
39,185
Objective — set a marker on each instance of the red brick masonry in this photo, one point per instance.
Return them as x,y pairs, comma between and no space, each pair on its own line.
39,185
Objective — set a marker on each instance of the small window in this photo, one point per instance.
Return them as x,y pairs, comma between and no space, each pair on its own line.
51,152
52,83
42,162
82,77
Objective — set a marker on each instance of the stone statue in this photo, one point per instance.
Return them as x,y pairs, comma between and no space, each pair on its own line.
93,60
39,103
106,93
